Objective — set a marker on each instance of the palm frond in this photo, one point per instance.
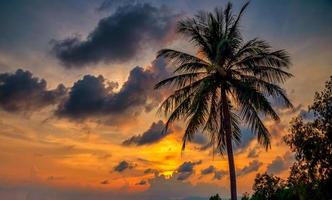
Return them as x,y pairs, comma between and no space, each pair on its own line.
275,59
234,28
199,112
180,80
178,96
236,131
192,67
247,94
193,29
250,115
270,74
268,88
179,57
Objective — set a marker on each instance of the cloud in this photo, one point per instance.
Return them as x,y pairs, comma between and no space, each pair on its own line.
251,167
152,135
280,164
119,37
200,138
108,5
252,153
159,189
94,96
277,165
218,174
209,170
246,137
149,171
202,141
307,115
104,182
142,182
186,169
22,92
122,166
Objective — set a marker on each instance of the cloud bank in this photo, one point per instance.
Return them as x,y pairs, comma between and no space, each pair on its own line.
186,169
94,96
119,37
22,92
251,167
152,135
122,166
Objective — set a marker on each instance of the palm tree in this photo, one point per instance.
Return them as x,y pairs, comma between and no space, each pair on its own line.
227,81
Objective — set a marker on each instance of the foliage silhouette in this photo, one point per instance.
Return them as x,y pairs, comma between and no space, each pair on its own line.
227,81
215,197
311,141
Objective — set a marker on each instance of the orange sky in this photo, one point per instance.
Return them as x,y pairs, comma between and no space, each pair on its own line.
44,154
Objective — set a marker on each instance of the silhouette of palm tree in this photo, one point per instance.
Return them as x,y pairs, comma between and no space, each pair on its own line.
229,80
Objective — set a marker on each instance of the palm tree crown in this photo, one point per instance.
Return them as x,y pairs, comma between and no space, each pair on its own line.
229,80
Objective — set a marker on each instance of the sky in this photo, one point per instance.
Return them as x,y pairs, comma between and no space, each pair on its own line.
78,113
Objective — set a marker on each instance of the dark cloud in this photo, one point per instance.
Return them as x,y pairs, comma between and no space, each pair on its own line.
186,169
95,96
280,164
277,165
209,170
122,166
104,182
251,167
246,138
109,5
142,182
152,135
219,174
21,92
200,139
151,171
119,37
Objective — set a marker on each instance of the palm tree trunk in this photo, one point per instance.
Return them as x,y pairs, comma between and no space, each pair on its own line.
228,133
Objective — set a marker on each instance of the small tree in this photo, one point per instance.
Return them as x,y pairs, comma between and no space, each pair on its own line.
215,197
312,143
267,186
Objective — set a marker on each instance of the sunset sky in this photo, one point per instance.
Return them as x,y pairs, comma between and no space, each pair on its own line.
78,113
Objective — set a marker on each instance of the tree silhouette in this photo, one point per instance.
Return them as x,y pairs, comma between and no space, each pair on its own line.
215,197
267,187
229,80
311,140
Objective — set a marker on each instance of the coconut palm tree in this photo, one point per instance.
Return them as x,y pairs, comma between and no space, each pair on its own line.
229,82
